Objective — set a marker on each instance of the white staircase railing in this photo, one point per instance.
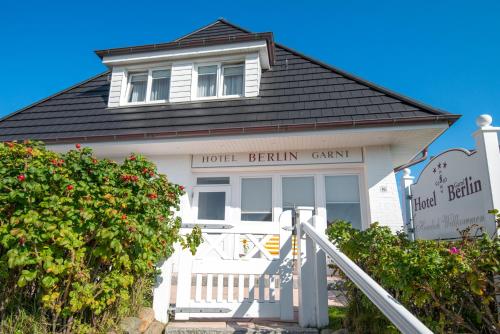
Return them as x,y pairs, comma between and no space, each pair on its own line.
313,297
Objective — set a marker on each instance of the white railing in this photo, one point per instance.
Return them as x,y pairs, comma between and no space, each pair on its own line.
313,305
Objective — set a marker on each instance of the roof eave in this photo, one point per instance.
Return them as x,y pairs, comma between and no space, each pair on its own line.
316,126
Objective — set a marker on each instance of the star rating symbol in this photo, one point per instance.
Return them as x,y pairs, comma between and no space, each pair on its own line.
439,165
445,164
434,170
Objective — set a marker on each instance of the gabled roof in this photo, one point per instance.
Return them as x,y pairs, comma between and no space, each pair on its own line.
297,93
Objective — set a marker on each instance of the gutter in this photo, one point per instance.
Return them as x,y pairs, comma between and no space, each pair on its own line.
450,119
414,161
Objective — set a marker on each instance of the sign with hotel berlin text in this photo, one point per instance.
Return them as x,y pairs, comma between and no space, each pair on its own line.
278,158
450,195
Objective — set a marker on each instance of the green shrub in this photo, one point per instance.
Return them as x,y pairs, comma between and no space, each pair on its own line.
78,234
447,285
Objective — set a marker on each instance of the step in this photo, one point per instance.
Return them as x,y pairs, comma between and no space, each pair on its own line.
235,326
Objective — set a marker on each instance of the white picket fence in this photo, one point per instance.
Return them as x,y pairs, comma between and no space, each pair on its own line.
224,280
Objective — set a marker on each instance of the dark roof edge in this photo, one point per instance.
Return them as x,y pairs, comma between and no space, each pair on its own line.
259,129
264,36
53,95
372,85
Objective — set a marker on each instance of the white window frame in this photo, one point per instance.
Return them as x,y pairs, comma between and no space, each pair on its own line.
240,189
219,82
149,85
361,201
222,80
212,188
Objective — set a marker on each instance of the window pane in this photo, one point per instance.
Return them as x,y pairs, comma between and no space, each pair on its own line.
207,69
207,80
233,85
348,212
298,191
233,70
160,74
160,89
233,80
343,188
213,180
138,84
256,199
211,205
342,199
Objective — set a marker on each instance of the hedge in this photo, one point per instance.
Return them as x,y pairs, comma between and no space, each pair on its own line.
449,285
77,233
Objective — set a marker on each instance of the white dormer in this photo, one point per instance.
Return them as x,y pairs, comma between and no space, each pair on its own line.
171,73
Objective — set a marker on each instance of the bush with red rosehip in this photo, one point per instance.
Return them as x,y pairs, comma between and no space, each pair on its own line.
77,232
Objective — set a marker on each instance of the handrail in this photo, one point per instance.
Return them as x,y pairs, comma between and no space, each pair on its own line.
405,321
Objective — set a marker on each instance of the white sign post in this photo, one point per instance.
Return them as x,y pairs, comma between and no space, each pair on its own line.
457,188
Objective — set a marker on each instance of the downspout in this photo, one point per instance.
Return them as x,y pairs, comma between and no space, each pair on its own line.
424,153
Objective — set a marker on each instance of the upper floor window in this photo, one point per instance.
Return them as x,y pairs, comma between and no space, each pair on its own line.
149,86
220,80
137,87
233,80
207,81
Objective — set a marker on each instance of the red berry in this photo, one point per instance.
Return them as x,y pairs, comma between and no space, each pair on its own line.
9,144
124,217
151,174
22,241
145,171
153,196
21,177
94,161
69,187
181,188
132,158
78,146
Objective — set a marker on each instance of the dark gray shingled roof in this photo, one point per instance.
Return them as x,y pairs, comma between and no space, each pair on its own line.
298,93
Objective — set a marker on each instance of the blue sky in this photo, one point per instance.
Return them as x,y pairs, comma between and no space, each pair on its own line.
443,53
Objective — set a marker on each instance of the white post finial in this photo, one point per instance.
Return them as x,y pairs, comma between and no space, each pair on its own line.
484,120
406,172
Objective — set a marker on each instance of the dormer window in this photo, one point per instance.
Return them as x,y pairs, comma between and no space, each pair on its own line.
149,86
137,87
219,80
232,76
160,88
207,81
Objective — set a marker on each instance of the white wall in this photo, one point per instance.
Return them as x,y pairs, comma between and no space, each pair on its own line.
383,197
178,170
180,81
115,89
252,75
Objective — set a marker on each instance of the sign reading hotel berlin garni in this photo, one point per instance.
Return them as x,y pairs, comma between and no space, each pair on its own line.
278,158
455,190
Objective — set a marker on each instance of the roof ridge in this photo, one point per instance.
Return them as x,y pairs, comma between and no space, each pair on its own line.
222,20
367,83
78,84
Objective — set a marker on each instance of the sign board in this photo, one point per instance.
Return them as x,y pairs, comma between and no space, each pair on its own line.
451,195
278,158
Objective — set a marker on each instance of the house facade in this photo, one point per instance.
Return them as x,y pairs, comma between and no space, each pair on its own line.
249,127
